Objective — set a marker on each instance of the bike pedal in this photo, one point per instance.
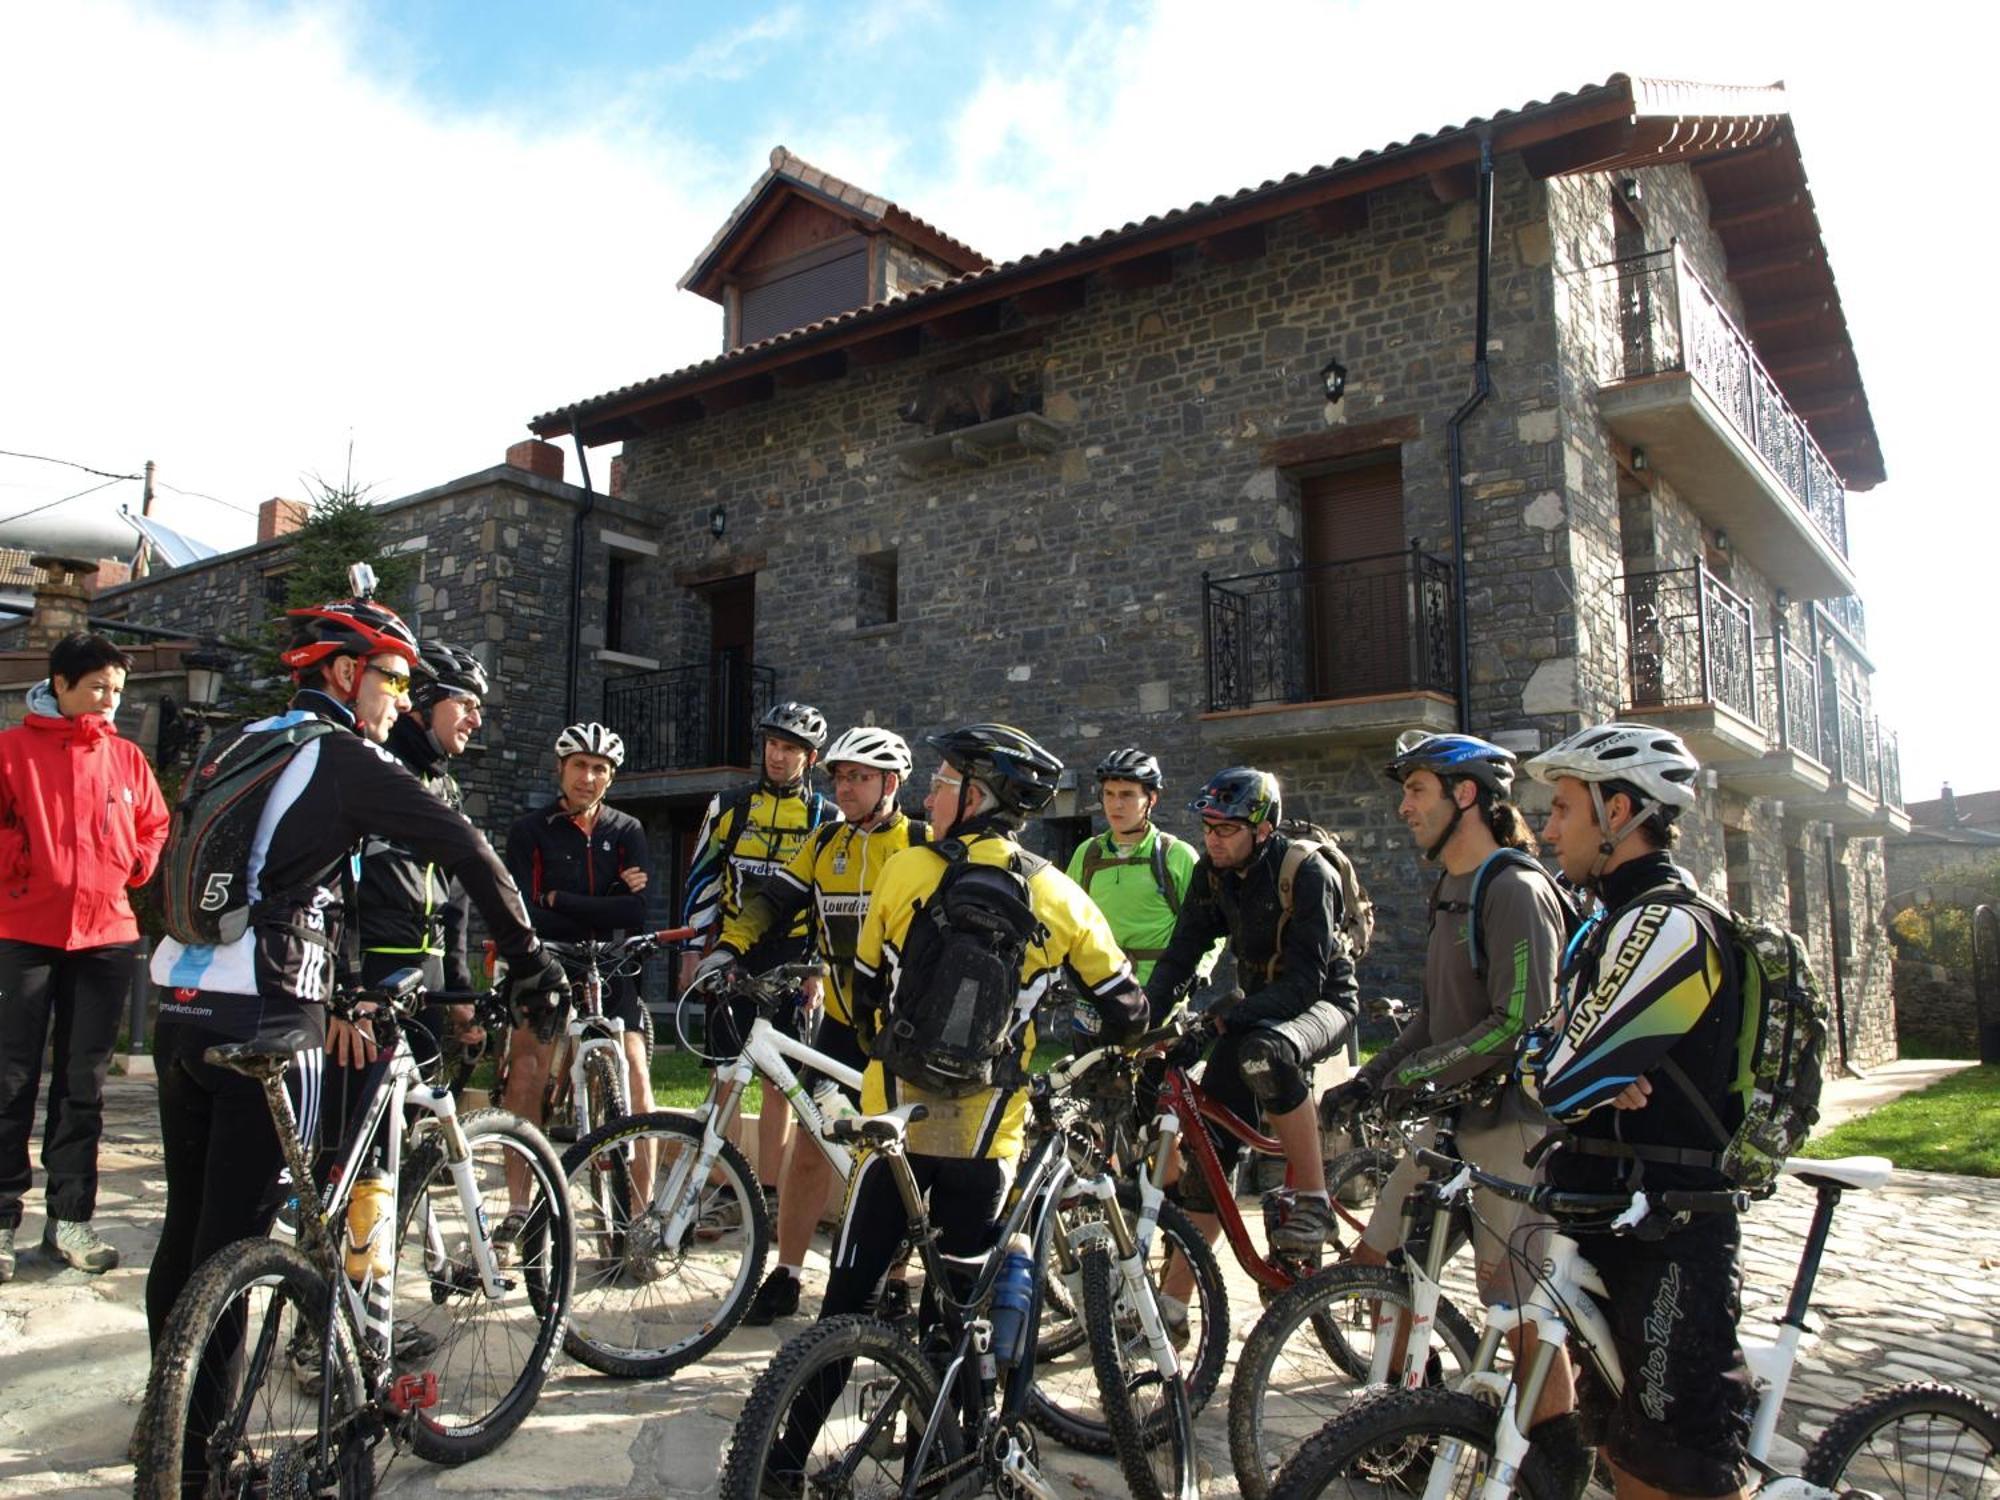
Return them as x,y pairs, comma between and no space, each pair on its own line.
408,1393
564,1133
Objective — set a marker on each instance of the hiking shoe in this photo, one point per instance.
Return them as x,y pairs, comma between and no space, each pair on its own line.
1174,1313
7,1253
412,1342
719,1215
777,1298
304,1353
1305,1228
74,1241
507,1238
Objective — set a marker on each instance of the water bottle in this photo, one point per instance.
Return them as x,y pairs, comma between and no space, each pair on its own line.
834,1105
1012,1294
369,1247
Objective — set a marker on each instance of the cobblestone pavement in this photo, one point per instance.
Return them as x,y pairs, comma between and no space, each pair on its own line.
1911,1290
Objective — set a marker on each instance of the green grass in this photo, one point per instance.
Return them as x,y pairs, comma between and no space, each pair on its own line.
681,1082
1952,1126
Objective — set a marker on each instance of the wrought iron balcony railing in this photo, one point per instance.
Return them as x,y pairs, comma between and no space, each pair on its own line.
1375,625
683,718
1691,640
1848,732
1846,612
1663,318
1789,699
1889,758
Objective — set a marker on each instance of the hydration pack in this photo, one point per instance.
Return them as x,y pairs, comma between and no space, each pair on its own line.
204,870
1474,903
958,986
1357,912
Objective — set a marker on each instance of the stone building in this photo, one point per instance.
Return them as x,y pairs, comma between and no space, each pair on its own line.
1519,425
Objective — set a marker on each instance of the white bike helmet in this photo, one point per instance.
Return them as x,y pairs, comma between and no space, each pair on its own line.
590,739
1655,762
880,749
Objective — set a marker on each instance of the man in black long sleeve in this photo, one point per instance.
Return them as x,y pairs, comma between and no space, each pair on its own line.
584,868
222,1157
1298,982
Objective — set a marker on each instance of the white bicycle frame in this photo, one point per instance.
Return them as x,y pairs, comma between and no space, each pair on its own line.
1567,1291
767,1051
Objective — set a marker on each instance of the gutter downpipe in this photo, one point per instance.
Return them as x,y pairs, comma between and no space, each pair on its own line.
1482,387
576,570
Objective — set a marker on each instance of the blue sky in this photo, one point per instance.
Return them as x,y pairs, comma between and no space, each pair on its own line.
249,236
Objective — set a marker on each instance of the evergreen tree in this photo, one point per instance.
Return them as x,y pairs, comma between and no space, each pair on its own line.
340,529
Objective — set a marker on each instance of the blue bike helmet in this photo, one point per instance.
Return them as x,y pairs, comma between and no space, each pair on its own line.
1448,756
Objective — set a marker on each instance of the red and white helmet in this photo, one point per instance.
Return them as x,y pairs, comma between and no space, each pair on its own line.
590,739
350,627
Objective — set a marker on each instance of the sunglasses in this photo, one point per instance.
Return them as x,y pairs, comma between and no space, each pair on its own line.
395,682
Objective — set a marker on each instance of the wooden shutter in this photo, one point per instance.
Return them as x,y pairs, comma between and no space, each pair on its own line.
835,286
1357,582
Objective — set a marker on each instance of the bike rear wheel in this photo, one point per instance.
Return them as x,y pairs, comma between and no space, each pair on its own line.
1428,1442
490,1354
642,1307
225,1412
850,1394
1306,1360
1919,1441
1146,1398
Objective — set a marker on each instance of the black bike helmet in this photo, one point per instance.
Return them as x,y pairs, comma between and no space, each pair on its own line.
1131,764
1242,794
1450,755
800,723
1019,773
456,674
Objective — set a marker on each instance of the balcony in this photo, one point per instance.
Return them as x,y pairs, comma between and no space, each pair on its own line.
1864,794
1691,662
689,726
1351,652
1788,709
1679,381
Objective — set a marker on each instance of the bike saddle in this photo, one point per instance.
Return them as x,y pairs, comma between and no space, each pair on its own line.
881,1129
1844,1171
263,1056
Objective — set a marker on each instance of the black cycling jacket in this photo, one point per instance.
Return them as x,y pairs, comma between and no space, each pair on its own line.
336,791
410,909
571,879
1314,964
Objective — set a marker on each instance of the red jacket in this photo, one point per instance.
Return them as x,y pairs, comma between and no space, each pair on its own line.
81,819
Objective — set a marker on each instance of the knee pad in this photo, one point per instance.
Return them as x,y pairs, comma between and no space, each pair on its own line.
1270,1067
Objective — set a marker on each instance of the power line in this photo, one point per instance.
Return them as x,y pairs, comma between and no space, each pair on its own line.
52,504
42,458
198,495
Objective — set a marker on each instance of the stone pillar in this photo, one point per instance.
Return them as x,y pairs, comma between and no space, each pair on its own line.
62,602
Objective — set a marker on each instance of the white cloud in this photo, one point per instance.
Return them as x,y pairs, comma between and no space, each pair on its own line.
734,53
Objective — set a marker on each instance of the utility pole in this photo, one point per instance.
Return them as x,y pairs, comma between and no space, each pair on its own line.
142,559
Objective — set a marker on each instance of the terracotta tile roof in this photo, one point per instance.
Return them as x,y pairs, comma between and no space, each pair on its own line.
1683,120
15,570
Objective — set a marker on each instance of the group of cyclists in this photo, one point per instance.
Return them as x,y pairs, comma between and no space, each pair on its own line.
1608,1037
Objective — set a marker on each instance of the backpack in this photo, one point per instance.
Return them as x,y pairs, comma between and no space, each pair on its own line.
1781,1049
958,985
1094,859
1473,906
1357,912
203,870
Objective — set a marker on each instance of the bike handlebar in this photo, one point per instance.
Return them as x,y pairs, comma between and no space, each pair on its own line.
1561,1204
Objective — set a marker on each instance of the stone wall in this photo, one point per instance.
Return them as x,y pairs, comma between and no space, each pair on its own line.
1936,1009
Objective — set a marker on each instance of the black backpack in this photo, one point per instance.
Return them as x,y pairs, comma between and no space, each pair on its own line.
958,986
204,868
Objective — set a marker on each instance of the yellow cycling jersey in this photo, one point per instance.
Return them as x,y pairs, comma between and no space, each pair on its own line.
835,872
746,838
990,1122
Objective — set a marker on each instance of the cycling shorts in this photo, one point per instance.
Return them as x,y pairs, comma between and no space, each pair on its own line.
1673,1303
1503,1230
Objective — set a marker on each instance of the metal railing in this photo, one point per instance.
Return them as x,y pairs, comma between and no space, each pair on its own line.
682,718
1662,318
1690,639
1844,727
1846,612
1374,625
1889,759
1789,700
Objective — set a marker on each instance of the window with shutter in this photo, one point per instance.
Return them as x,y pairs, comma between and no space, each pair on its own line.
1357,594
822,291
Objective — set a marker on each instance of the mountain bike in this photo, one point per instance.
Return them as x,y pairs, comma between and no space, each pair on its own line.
587,1081
283,1367
854,1405
1352,1327
1471,1439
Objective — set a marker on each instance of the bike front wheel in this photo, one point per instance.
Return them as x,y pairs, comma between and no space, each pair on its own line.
490,1353
1919,1441
644,1307
842,1411
232,1405
1146,1399
1429,1442
1310,1356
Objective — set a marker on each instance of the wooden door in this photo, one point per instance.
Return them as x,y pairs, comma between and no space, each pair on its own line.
1356,582
732,629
